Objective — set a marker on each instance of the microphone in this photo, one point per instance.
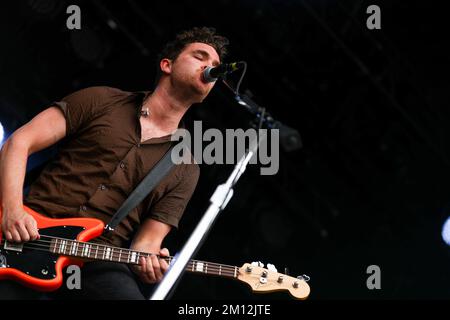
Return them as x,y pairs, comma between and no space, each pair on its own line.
211,74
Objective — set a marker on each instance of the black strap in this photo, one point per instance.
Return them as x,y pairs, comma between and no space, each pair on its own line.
159,171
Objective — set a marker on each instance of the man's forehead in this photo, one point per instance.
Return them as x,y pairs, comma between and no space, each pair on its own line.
205,47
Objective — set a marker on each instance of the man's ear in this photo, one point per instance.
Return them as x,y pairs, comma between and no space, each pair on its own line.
166,66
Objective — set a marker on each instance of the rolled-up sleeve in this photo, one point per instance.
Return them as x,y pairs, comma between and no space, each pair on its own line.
80,107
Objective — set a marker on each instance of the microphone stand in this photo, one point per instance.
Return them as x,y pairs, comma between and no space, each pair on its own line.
218,202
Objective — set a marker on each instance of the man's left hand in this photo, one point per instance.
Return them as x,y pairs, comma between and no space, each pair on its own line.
151,269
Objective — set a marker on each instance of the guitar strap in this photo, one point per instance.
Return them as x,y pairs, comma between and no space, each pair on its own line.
159,171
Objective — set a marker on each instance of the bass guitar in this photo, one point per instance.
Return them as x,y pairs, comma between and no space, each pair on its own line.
39,264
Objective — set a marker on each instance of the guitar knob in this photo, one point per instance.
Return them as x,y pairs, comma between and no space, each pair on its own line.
295,284
264,274
286,271
280,279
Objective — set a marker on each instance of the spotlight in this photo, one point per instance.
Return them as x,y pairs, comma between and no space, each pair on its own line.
2,134
46,8
41,10
446,231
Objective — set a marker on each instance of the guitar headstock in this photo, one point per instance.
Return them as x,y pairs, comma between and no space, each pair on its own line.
264,280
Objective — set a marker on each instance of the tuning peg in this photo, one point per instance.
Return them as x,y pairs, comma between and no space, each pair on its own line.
271,267
304,277
258,264
286,271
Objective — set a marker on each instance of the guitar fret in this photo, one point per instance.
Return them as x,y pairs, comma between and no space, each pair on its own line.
72,249
133,256
220,269
77,247
85,250
138,257
104,251
96,251
199,266
120,254
54,246
128,259
235,271
193,265
206,268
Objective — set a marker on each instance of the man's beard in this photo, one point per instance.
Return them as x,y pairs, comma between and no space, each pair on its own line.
193,88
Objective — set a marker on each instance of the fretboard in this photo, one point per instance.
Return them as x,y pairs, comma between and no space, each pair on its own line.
94,251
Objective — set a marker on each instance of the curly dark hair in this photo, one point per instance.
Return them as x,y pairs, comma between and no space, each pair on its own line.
205,35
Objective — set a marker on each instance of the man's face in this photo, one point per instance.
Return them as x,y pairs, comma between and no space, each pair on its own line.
187,69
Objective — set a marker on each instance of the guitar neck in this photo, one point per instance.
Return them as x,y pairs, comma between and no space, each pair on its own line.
98,252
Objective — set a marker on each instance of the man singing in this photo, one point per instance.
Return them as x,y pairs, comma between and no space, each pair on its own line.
109,140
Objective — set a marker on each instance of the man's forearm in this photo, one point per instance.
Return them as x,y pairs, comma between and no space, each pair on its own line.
13,161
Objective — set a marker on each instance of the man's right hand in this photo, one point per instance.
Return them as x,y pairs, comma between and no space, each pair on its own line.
19,226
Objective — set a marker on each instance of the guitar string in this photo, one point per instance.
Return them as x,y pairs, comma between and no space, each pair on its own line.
104,248
114,248
210,266
224,272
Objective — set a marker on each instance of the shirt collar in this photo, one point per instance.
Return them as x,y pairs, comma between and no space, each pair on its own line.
141,97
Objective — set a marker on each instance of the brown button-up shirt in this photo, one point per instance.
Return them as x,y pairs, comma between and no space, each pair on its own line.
102,160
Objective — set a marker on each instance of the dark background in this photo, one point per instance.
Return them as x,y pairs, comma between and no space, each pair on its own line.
370,183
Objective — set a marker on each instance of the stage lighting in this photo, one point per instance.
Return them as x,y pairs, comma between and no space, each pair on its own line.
2,134
46,8
446,231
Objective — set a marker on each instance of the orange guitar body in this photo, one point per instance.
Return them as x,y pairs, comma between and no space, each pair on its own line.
42,270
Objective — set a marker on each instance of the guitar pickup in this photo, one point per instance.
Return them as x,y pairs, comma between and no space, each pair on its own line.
12,246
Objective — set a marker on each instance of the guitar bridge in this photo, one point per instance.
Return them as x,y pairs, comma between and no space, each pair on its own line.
12,246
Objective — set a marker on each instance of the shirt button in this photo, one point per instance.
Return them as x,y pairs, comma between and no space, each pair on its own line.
83,208
138,145
102,187
122,165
